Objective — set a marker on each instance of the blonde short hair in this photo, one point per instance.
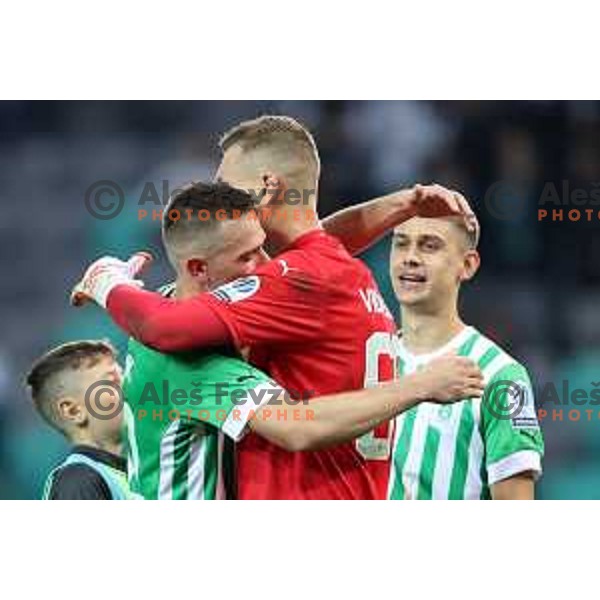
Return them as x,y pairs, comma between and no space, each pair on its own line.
288,144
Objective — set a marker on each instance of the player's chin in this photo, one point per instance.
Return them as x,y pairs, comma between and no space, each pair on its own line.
411,297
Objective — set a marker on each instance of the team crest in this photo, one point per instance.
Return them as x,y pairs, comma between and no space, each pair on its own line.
445,412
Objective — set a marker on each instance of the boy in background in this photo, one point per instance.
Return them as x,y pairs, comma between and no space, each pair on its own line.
75,387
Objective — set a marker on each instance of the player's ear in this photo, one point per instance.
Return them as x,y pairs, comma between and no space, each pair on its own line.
196,268
471,262
274,189
71,411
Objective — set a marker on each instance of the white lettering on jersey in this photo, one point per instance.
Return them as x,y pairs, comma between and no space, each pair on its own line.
373,302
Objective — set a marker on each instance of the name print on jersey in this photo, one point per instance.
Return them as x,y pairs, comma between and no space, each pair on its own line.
373,302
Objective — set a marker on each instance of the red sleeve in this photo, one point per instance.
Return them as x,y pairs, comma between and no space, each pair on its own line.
285,302
166,324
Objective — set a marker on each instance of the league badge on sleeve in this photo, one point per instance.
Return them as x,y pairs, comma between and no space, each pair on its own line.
525,417
237,290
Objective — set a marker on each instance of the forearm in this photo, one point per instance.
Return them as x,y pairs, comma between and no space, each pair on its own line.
165,324
519,487
334,419
360,226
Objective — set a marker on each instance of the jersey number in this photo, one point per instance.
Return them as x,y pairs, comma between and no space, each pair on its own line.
373,445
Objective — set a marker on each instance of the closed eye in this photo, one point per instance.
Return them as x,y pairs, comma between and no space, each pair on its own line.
248,256
400,242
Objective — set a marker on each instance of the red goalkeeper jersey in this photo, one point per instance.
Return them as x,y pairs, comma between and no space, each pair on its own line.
314,319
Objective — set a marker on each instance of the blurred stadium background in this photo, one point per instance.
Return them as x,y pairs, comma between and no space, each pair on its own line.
538,291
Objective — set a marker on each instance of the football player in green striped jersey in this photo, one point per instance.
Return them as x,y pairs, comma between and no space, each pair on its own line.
183,412
489,447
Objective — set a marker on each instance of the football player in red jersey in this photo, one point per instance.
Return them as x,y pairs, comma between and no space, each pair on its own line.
312,317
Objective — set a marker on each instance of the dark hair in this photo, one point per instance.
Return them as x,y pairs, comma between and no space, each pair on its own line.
211,197
71,356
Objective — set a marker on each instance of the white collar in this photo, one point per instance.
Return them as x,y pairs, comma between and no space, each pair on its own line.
418,359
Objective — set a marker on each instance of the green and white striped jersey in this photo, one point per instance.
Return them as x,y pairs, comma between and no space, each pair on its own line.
182,414
457,451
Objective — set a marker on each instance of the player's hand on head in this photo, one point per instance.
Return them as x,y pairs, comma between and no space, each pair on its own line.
450,378
434,201
105,274
466,212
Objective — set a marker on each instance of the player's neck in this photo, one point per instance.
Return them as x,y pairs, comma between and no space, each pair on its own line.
187,288
287,223
423,332
108,445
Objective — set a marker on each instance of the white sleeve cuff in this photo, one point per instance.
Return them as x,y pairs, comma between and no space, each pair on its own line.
513,464
235,425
